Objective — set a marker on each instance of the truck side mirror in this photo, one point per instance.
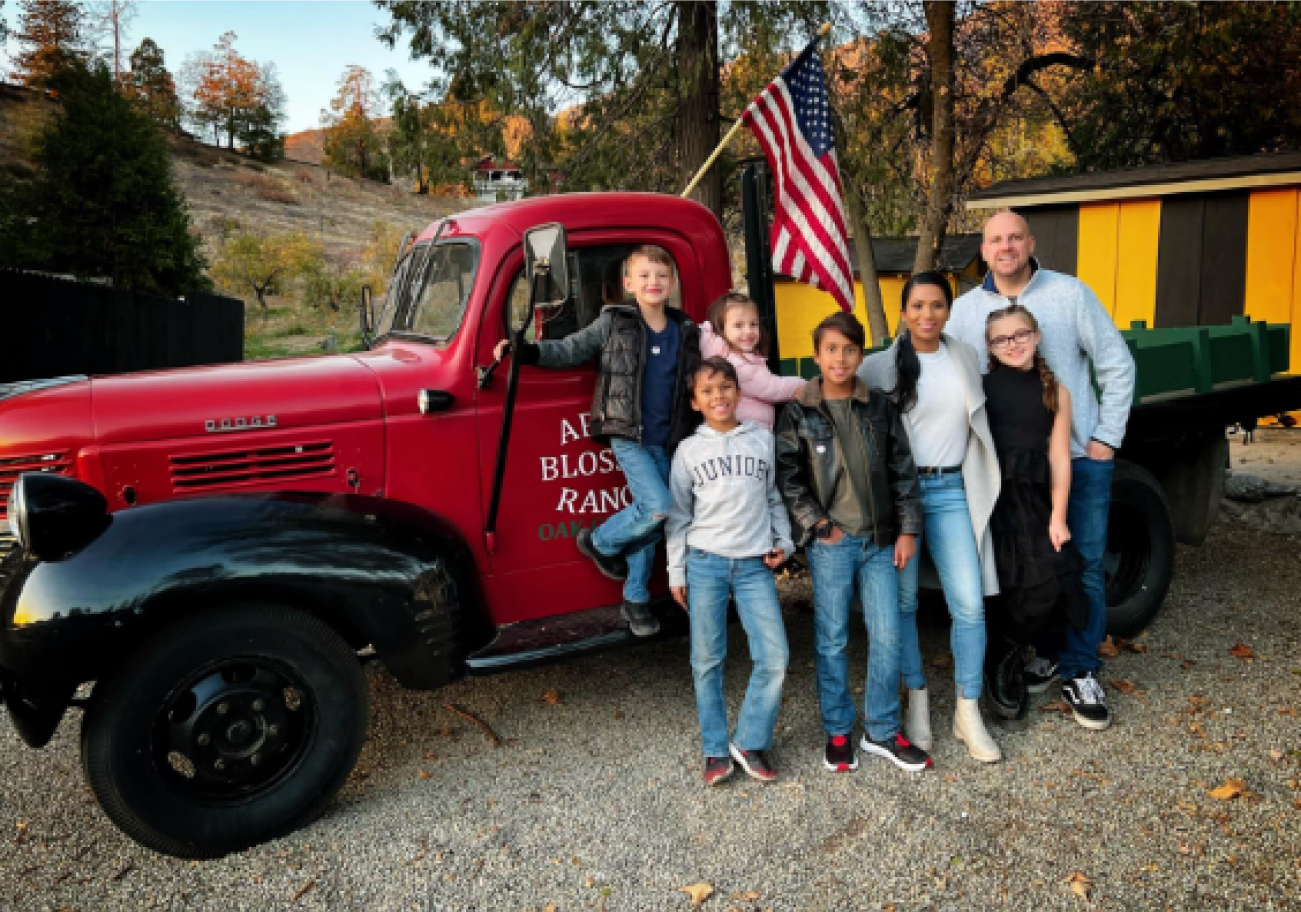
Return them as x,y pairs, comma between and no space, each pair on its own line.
367,316
546,265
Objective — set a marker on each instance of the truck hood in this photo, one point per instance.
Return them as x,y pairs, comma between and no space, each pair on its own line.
189,402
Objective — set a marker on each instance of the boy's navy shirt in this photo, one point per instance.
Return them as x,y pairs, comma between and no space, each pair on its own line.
658,376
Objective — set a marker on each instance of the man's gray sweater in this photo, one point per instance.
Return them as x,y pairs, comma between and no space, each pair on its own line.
725,498
1076,330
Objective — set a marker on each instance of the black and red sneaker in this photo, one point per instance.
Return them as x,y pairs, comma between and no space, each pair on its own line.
899,751
755,763
718,769
839,756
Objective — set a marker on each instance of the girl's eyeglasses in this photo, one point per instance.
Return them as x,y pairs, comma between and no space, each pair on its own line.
1020,337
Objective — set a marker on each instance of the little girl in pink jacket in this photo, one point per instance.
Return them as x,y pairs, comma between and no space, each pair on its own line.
742,341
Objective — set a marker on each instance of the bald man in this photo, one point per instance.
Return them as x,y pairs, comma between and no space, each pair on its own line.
1077,332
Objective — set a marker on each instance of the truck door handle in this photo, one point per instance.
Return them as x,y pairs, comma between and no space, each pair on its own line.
434,401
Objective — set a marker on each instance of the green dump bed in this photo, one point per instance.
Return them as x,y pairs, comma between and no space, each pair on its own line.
1195,377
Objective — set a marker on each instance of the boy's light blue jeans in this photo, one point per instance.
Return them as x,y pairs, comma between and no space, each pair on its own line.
710,580
638,527
856,566
948,536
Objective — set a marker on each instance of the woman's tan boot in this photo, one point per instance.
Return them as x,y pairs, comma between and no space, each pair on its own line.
969,727
917,720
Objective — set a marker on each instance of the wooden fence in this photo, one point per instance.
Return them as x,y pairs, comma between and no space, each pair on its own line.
54,327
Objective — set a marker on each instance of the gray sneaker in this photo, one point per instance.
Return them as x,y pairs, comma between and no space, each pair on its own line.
641,621
1039,673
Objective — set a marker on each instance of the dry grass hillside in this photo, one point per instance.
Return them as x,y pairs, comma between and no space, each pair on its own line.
228,192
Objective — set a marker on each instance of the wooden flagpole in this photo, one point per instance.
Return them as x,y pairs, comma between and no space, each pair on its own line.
822,33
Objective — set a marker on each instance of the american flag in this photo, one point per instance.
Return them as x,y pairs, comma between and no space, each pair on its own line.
791,119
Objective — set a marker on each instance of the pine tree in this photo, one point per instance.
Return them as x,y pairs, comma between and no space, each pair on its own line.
152,87
50,35
103,203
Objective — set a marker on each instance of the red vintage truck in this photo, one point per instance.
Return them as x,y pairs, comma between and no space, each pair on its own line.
202,558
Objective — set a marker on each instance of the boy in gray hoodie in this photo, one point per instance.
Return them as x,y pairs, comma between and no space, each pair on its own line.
728,527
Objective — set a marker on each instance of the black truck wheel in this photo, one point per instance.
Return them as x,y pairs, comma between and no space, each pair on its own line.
1139,560
224,730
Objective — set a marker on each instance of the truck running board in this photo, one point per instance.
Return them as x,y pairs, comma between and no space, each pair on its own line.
548,639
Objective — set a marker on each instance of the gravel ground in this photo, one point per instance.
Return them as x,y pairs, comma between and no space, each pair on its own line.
595,801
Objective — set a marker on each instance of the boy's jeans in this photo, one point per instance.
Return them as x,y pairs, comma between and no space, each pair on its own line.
710,579
948,536
1086,515
839,570
637,528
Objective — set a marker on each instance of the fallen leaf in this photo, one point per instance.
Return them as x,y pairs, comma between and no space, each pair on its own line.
1276,755
1129,688
749,895
1232,788
549,907
430,755
697,893
423,774
1061,706
1108,648
1242,651
1130,645
1081,886
618,714
552,696
943,660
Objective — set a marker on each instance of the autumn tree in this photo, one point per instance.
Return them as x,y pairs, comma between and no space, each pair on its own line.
226,91
50,39
260,262
1165,82
642,81
151,87
103,202
353,145
107,23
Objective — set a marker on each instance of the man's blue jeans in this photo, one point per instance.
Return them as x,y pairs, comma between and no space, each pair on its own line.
638,527
948,536
1086,515
845,574
710,580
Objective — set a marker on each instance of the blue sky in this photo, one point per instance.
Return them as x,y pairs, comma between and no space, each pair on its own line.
311,42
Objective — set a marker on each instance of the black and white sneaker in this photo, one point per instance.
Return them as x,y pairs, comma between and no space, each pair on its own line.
641,620
839,756
612,565
1088,701
1039,673
899,751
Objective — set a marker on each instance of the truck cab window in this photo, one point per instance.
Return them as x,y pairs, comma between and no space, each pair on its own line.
595,280
430,290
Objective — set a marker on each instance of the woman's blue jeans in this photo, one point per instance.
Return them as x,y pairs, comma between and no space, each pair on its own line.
638,527
856,567
948,536
710,580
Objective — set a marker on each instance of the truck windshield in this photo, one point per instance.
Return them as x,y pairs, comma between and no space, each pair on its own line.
429,291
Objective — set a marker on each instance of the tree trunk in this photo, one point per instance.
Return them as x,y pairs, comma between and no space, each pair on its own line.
697,115
939,18
877,326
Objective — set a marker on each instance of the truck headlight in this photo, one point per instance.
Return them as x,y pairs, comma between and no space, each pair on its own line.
52,515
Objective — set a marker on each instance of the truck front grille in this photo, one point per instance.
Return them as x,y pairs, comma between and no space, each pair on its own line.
245,468
13,466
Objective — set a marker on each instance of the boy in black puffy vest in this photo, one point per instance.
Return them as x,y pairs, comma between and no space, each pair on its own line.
641,406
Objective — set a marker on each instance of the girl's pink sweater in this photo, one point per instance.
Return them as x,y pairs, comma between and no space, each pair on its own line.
760,387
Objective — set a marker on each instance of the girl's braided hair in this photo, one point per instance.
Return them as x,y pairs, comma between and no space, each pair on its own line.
1046,376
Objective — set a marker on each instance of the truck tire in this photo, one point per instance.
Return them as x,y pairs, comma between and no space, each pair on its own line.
1139,559
225,730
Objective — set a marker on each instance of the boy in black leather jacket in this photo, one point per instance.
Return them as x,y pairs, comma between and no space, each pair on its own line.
846,473
642,407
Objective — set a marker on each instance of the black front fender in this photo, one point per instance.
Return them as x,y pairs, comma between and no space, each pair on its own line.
382,573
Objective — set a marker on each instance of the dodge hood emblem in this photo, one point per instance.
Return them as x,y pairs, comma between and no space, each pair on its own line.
252,422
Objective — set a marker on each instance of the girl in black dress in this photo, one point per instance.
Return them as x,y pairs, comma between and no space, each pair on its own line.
1038,573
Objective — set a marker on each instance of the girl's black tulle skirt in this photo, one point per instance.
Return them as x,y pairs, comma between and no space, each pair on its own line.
1040,585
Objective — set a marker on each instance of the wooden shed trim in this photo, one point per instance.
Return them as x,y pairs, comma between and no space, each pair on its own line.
1140,191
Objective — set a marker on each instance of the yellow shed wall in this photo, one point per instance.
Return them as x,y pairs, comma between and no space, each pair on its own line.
1137,240
1271,255
1096,251
802,307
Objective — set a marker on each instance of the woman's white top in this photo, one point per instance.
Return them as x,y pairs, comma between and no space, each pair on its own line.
938,424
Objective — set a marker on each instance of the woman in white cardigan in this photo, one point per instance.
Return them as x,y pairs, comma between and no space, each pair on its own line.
935,379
